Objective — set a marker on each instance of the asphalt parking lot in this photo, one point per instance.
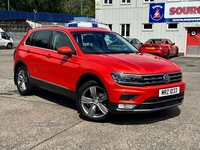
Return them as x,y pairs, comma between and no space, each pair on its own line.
49,121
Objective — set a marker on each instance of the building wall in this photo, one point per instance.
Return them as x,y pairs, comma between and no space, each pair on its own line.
136,14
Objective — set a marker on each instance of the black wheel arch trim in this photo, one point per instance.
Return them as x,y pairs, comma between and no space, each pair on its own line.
16,66
78,84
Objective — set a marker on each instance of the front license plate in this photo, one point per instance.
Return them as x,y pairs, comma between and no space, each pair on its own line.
169,91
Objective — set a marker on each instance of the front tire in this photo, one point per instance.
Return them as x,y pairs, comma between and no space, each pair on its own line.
23,81
92,102
9,46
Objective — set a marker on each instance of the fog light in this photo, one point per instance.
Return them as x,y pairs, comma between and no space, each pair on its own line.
128,97
126,106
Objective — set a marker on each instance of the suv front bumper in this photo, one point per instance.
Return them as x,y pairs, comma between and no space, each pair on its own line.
150,105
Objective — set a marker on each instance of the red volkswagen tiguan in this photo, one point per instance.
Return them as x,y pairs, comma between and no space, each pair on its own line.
97,68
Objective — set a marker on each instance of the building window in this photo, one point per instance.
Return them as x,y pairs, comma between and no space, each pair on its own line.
147,26
148,1
125,30
110,26
126,1
107,2
172,26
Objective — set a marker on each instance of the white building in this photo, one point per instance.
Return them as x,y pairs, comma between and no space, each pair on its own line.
178,20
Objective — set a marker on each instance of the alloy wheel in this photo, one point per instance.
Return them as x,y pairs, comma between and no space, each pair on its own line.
22,80
94,102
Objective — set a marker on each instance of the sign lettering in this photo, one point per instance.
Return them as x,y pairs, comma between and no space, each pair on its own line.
184,10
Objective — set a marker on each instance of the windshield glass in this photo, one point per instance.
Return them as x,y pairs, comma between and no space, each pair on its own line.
103,43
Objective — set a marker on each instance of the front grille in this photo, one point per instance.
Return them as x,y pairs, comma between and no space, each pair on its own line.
159,102
159,78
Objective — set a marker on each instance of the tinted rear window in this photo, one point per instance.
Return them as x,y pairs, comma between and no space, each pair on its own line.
39,39
154,41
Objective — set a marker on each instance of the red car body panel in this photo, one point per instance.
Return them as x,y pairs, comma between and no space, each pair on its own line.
137,64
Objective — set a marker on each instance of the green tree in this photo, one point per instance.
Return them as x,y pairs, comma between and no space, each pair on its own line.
80,7
84,7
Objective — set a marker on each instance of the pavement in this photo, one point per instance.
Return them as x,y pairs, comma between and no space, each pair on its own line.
46,120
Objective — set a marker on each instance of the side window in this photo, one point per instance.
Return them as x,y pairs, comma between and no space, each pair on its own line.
169,42
4,35
41,38
134,41
60,39
30,40
137,41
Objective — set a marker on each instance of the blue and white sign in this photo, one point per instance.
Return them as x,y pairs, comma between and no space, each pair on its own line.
156,12
174,12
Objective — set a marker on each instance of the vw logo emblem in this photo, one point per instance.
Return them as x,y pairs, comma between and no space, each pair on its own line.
166,78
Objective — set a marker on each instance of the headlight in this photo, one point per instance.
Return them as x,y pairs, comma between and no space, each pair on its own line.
127,79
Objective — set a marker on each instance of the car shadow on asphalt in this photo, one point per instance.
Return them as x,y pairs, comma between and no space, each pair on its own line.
117,119
144,118
55,98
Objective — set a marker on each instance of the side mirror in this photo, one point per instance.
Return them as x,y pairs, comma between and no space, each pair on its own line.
66,50
173,43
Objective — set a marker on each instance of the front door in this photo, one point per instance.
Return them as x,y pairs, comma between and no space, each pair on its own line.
193,41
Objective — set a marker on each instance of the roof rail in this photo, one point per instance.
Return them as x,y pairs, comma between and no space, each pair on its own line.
43,26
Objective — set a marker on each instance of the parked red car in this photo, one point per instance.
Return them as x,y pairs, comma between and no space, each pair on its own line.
83,64
160,46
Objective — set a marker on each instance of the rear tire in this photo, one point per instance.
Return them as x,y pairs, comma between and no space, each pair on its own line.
168,54
176,53
92,102
23,81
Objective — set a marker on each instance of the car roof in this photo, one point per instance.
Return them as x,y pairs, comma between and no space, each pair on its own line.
72,29
158,39
130,39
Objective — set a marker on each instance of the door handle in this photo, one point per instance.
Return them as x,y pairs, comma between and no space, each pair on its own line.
48,56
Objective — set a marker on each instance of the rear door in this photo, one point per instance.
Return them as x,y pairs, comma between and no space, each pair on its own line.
37,51
48,69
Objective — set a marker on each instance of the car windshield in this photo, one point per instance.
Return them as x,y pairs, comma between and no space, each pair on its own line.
103,43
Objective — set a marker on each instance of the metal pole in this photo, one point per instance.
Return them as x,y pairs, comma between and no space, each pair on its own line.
8,5
35,11
81,6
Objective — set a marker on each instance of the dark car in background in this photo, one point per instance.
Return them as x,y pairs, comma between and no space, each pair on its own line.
160,46
135,42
